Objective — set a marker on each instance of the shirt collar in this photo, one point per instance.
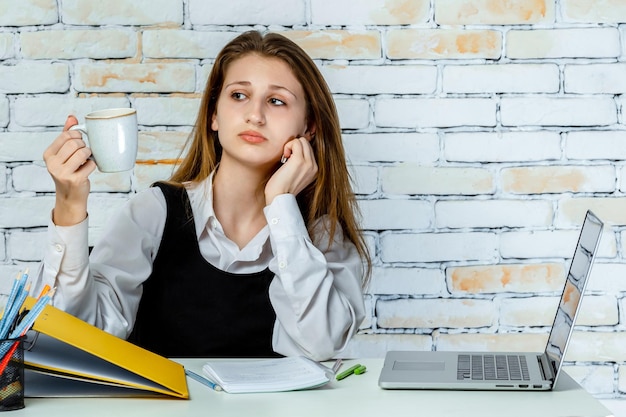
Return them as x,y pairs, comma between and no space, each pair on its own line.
201,199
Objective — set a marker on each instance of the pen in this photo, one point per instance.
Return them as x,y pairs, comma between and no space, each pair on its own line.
348,372
44,291
8,313
31,316
13,293
203,380
11,315
7,357
336,366
22,327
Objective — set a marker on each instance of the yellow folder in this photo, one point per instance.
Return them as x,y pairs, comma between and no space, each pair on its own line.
65,356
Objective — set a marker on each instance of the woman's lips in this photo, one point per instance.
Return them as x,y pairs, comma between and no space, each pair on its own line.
252,136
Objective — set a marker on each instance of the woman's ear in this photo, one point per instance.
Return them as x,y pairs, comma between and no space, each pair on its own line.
310,133
214,125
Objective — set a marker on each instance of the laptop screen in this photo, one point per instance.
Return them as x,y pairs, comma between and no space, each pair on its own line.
574,288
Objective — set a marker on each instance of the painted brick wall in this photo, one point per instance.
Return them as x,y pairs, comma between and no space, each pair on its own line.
478,133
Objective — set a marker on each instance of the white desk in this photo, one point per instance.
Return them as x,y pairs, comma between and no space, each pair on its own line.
357,395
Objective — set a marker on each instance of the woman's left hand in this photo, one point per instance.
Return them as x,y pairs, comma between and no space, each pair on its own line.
294,175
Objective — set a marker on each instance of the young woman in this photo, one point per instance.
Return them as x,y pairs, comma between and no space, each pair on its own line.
251,248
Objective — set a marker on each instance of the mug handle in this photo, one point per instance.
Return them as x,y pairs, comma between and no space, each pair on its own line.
83,129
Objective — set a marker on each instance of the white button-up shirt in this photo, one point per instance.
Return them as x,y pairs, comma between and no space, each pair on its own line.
316,292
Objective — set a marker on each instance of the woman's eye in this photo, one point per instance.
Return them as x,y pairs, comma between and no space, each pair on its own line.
277,102
238,96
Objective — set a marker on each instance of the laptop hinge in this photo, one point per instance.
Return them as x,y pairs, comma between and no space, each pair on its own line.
547,372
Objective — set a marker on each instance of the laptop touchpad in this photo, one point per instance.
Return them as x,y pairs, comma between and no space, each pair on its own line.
418,366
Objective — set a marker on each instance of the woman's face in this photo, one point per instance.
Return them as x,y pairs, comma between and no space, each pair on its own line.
261,107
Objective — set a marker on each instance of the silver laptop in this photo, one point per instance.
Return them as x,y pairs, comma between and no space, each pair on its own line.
502,370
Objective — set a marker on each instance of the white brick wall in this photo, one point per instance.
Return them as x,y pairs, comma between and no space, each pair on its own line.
476,136
501,78
34,77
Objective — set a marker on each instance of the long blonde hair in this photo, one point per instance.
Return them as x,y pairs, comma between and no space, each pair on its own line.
331,193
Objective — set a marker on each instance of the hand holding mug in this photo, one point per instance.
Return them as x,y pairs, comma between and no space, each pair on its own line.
112,136
69,160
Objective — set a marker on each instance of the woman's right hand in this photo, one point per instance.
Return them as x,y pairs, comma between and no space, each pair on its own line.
67,160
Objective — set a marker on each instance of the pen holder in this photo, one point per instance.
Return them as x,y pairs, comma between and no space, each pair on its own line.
12,374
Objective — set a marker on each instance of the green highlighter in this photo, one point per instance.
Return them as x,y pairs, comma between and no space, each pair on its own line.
356,369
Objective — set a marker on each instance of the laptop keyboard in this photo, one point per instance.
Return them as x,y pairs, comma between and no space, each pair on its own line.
481,367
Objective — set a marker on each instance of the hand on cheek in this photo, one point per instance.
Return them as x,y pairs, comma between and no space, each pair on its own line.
297,172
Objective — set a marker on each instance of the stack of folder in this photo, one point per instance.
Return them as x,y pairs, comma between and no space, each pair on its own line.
65,356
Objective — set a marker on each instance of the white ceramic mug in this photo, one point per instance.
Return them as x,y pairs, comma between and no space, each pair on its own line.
112,136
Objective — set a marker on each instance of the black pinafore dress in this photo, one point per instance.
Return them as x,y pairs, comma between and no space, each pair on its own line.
189,308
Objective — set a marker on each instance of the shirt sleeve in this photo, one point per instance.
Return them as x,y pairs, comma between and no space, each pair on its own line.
124,255
66,252
316,293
